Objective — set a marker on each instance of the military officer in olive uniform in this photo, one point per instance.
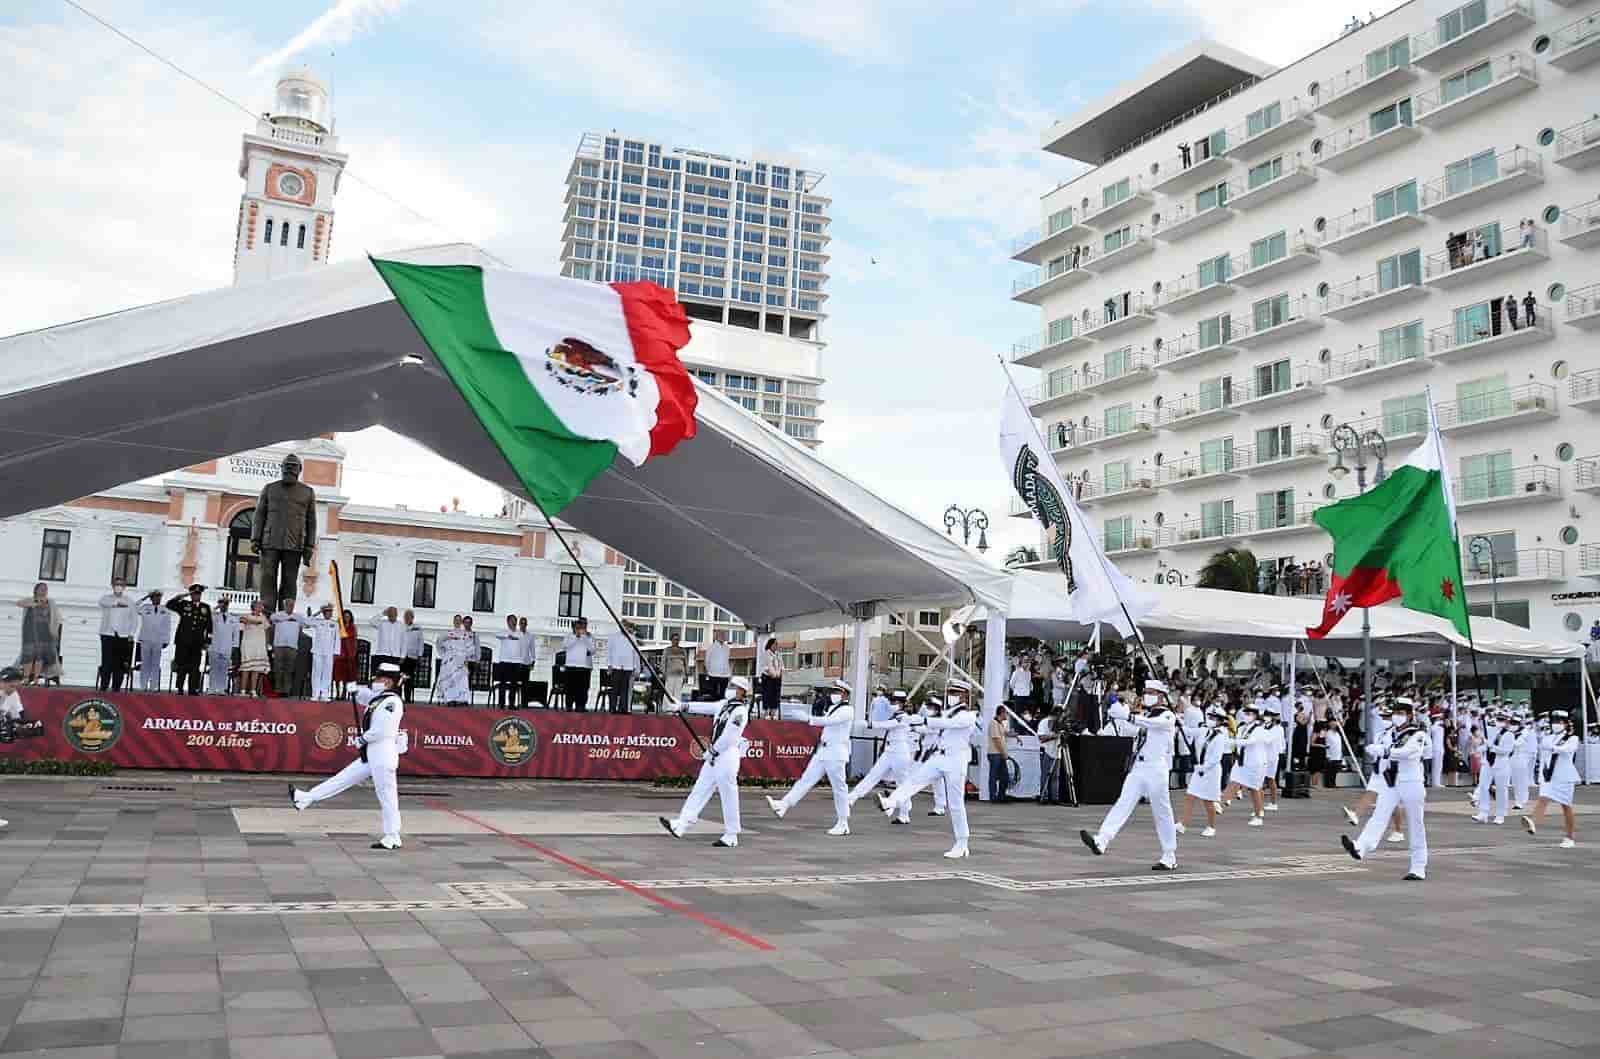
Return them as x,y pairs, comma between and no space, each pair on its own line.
191,639
284,533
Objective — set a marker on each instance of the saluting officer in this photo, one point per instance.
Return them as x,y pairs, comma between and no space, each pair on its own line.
191,638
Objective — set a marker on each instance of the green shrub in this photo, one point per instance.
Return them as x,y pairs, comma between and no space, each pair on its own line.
55,767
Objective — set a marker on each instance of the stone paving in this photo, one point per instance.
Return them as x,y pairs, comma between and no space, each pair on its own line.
527,919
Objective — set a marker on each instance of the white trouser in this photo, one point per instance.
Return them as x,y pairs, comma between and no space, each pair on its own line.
816,768
1438,771
217,682
1410,796
1500,773
150,666
932,772
1521,779
321,676
723,778
896,766
1142,784
384,783
941,792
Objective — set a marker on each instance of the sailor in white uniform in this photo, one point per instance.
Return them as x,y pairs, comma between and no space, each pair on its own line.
828,759
1398,767
897,758
1210,743
1369,797
1524,759
927,746
1147,778
382,741
155,633
953,726
1497,755
324,631
224,641
1254,748
719,772
1117,722
1436,741
1558,778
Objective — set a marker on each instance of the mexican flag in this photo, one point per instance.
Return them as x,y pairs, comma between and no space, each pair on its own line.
1398,540
562,373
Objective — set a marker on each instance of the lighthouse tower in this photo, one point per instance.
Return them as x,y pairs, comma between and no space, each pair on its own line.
291,167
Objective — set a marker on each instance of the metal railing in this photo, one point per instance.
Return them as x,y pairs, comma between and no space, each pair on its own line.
1589,559
1137,187
1061,386
1352,78
1366,358
1496,404
1059,266
1133,422
1241,524
1182,214
1181,408
1407,424
1335,144
1586,472
1450,336
1089,489
1547,563
1580,219
1506,164
1583,301
1286,517
1176,471
1142,541
1187,345
1301,446
1532,480
1302,308
1514,236
1573,34
1289,110
1359,290
1300,377
1173,165
1069,434
1121,367
1244,263
1579,137
1357,220
1193,283
1039,340
1238,189
1433,39
1173,123
1138,305
1059,221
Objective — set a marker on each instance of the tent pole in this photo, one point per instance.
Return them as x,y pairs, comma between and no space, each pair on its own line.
1293,727
861,670
1453,684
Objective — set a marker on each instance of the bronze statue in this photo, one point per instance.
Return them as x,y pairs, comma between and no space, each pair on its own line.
284,533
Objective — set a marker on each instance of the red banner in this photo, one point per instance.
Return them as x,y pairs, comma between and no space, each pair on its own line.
201,733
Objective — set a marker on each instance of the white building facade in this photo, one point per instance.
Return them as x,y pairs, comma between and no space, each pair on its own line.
1259,259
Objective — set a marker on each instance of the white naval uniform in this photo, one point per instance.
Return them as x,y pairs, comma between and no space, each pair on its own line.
1562,773
828,759
1406,747
1118,727
1436,741
1152,762
1502,744
1253,748
224,638
1205,781
895,762
155,632
383,741
946,768
1380,739
324,648
1524,757
719,771
927,746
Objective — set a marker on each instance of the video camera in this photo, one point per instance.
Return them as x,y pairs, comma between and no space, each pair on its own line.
15,728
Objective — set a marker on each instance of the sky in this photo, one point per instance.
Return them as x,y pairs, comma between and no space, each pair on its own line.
119,183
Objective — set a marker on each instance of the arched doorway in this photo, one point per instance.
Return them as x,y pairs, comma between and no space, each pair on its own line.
239,573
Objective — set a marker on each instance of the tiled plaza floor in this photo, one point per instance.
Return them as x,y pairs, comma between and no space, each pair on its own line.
525,919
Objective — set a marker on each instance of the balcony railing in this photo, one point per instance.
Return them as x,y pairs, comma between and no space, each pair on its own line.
1066,435
1583,33
1192,348
1544,564
1217,528
1242,265
1300,377
1087,489
1300,313
1496,13
1434,107
1039,341
1138,306
1138,192
1196,467
1116,369
1178,409
1534,480
1118,544
1056,268
1586,473
1060,221
1291,113
1369,358
1496,404
1510,163
1286,517
1310,445
1137,421
1050,389
1589,560
1353,80
1362,289
1580,224
1361,140
1577,139
1357,221
1194,287
1515,236
1583,302
1450,337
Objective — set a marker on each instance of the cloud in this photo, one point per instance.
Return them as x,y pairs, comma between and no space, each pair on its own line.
851,29
339,24
1274,33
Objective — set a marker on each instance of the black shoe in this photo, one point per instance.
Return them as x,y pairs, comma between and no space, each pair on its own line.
386,849
1412,876
1163,866
1350,846
1089,840
668,825
899,821
722,844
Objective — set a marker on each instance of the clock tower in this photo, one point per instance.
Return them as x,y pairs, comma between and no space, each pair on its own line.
291,166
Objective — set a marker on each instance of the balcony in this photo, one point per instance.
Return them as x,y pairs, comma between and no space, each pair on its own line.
1244,142
1301,383
1509,76
1510,172
1137,425
1539,482
1185,221
1054,393
1444,49
1578,146
1294,175
1357,87
1583,307
1580,225
1089,492
1067,436
1365,295
1172,176
1362,226
1118,547
1298,254
1365,365
1185,412
1192,290
1187,350
1453,343
1201,532
1194,472
1302,315
1526,566
1577,44
1041,283
1114,321
1529,402
1281,522
1125,370
1586,476
1347,149
1589,560
1038,349
1583,389
1038,245
1520,246
1137,246
1138,198
1303,450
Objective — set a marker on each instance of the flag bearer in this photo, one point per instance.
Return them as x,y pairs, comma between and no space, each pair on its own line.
719,772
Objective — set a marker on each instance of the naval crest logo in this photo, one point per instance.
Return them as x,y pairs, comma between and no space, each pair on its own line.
577,365
92,726
330,735
513,741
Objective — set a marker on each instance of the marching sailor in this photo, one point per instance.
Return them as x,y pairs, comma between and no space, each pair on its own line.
1436,741
719,772
1524,760
381,742
1253,747
897,759
953,727
1497,754
1117,722
1205,782
927,746
1276,756
1399,769
1558,778
1380,730
1152,761
828,759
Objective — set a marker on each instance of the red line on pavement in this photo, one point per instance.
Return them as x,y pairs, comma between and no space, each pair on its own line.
595,873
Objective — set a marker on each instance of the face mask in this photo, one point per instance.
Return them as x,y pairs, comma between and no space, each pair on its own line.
380,685
1561,726
1151,699
953,700
836,698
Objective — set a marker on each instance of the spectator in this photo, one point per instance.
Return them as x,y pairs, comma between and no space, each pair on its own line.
772,677
413,658
998,757
1049,744
324,649
285,647
1021,683
41,634
388,639
579,648
718,666
118,625
456,648
345,665
623,661
254,658
1058,685
674,670
507,667
530,658
1529,305
301,688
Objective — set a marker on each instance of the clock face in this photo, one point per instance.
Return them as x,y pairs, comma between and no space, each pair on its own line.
291,185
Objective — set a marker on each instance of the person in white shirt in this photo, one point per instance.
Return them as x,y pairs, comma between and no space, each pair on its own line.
1117,722
897,759
718,665
948,754
1253,745
1273,722
224,641
771,678
1210,742
1436,743
1399,769
828,759
623,662
324,630
508,666
155,632
1524,759
388,639
530,657
285,645
119,624
1333,749
880,708
1147,779
1558,777
1497,756
413,659
381,742
719,771
577,669
1021,684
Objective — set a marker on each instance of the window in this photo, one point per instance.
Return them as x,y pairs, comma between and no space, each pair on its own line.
1119,533
1117,362
1394,201
283,234
1211,146
1216,454
1216,518
1112,194
723,616
694,634
1401,342
1396,53
1272,378
53,555
1274,510
1470,172
1259,121
1265,251
1513,610
1115,476
928,619
1407,415
570,602
1501,554
1400,270
1216,393
1116,239
425,583
1463,19
695,612
300,238
1486,476
1118,419
364,579
1485,398
1211,198
1386,118
268,240
125,559
924,661
673,590
1214,271
1272,443
240,572
672,611
1215,330
1265,173
483,579
1269,312
1473,322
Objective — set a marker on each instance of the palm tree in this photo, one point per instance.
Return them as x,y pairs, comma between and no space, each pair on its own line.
1232,570
1021,556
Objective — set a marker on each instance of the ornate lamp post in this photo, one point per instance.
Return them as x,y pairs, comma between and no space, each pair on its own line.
1359,444
1480,545
968,519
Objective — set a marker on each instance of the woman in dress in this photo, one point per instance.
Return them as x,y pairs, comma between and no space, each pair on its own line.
41,634
344,663
771,678
456,649
253,658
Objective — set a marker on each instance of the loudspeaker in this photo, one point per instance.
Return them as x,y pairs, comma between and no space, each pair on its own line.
1297,785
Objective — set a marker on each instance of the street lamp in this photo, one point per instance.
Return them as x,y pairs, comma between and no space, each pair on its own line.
968,519
1359,444
1171,575
1479,544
